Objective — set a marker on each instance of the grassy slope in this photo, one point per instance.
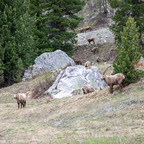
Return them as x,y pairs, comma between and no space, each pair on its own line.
97,118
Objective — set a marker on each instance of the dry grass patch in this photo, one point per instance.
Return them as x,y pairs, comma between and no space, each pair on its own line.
95,117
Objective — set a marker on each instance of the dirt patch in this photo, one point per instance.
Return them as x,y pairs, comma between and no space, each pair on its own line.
84,53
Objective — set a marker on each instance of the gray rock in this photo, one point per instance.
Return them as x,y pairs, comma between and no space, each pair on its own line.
73,78
48,62
102,35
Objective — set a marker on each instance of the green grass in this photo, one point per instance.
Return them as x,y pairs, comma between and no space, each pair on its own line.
104,140
116,140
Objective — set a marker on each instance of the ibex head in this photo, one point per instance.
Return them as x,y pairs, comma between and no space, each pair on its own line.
103,75
15,95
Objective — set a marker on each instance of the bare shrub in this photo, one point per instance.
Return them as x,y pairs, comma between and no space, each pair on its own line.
41,87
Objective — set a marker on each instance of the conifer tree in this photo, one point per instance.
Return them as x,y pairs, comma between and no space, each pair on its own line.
128,52
125,9
55,21
37,8
17,49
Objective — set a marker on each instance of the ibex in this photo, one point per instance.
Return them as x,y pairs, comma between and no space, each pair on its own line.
77,61
112,80
87,89
91,40
87,64
95,49
21,99
98,59
88,28
85,29
82,30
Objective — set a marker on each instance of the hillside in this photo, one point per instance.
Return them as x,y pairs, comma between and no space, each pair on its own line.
97,118
106,52
97,19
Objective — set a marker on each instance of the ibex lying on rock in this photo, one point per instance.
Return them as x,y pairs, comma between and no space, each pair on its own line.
112,80
87,89
91,40
87,64
88,28
21,99
85,29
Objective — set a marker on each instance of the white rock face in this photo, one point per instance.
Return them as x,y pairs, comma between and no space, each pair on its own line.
102,35
73,78
48,62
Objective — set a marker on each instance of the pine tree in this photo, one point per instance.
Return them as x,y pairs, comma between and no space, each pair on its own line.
128,52
55,21
17,49
37,8
125,9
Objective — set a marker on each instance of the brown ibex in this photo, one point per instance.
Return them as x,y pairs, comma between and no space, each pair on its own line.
98,59
87,64
76,60
85,29
82,30
88,28
87,89
21,99
95,50
111,80
91,40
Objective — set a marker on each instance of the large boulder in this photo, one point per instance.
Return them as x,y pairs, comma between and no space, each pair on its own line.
73,78
48,62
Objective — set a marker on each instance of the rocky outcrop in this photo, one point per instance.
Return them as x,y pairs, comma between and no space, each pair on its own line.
102,35
91,11
48,62
74,78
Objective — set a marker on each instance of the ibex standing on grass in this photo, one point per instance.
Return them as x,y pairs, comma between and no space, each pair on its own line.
112,80
21,99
